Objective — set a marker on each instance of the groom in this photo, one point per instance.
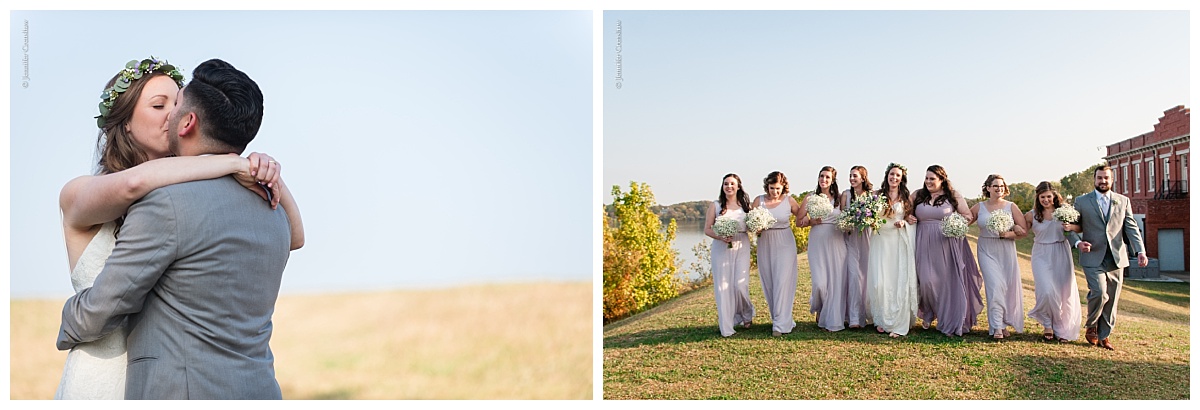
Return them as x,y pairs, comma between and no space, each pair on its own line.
197,266
1103,217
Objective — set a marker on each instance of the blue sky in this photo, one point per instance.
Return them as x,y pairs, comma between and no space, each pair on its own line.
424,148
1030,95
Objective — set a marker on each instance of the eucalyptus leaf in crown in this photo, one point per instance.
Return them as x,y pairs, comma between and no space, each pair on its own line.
134,70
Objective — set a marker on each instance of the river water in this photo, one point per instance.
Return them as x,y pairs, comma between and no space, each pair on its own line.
687,235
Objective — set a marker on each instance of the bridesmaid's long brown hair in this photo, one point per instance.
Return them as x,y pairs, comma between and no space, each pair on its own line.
1042,187
866,183
742,198
948,195
835,195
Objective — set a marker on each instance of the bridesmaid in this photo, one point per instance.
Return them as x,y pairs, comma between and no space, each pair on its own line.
826,256
998,260
731,265
891,270
777,253
1056,295
857,253
947,274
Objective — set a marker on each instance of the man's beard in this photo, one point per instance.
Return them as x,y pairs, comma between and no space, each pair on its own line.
1102,188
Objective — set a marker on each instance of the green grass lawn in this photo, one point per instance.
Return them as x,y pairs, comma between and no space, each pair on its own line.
674,351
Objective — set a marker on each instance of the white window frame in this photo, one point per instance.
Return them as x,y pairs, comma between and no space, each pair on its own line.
1183,170
1125,179
1137,177
1150,171
1167,169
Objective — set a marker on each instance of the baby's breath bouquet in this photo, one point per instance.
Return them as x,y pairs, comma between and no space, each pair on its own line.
819,206
725,226
999,221
845,222
865,212
758,220
1066,214
954,226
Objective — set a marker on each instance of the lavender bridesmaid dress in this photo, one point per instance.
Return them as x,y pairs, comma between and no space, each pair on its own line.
777,268
731,276
1056,294
858,249
827,264
1001,276
948,278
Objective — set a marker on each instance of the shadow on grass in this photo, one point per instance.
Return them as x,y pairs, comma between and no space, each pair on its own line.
805,331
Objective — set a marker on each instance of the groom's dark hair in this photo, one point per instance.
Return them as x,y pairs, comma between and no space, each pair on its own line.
229,103
1101,168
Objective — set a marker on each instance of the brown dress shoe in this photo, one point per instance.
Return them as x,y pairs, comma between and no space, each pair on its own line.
1091,336
1106,344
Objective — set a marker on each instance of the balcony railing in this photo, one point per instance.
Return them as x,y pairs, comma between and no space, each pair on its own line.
1172,190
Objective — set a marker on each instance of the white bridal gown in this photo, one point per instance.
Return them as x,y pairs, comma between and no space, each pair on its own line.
892,275
95,370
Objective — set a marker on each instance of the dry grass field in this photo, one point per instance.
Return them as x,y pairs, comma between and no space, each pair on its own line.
512,341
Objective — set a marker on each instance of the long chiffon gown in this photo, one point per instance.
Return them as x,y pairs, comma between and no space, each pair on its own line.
892,275
1056,294
777,268
731,276
858,245
1001,276
95,370
947,274
827,264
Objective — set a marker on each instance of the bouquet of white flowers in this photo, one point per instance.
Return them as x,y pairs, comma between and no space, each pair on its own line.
725,226
758,220
845,222
954,226
819,206
865,212
999,221
1066,214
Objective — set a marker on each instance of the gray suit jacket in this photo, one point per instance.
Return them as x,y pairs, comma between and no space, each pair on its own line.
196,271
1104,232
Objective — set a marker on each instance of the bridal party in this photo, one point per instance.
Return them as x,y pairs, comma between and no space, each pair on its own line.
887,258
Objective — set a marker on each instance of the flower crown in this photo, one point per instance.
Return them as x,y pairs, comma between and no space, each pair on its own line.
134,70
895,165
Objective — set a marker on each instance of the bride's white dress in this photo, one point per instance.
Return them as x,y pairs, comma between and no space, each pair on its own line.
95,370
892,275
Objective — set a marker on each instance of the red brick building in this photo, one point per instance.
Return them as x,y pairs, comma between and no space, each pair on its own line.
1152,170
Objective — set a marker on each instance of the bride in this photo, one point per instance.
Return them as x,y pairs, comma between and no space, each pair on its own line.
133,160
891,267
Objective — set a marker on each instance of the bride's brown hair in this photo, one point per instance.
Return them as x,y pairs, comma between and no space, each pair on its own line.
114,145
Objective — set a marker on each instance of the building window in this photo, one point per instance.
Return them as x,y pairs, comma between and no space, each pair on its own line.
1125,179
1183,165
1167,172
1137,177
1150,171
